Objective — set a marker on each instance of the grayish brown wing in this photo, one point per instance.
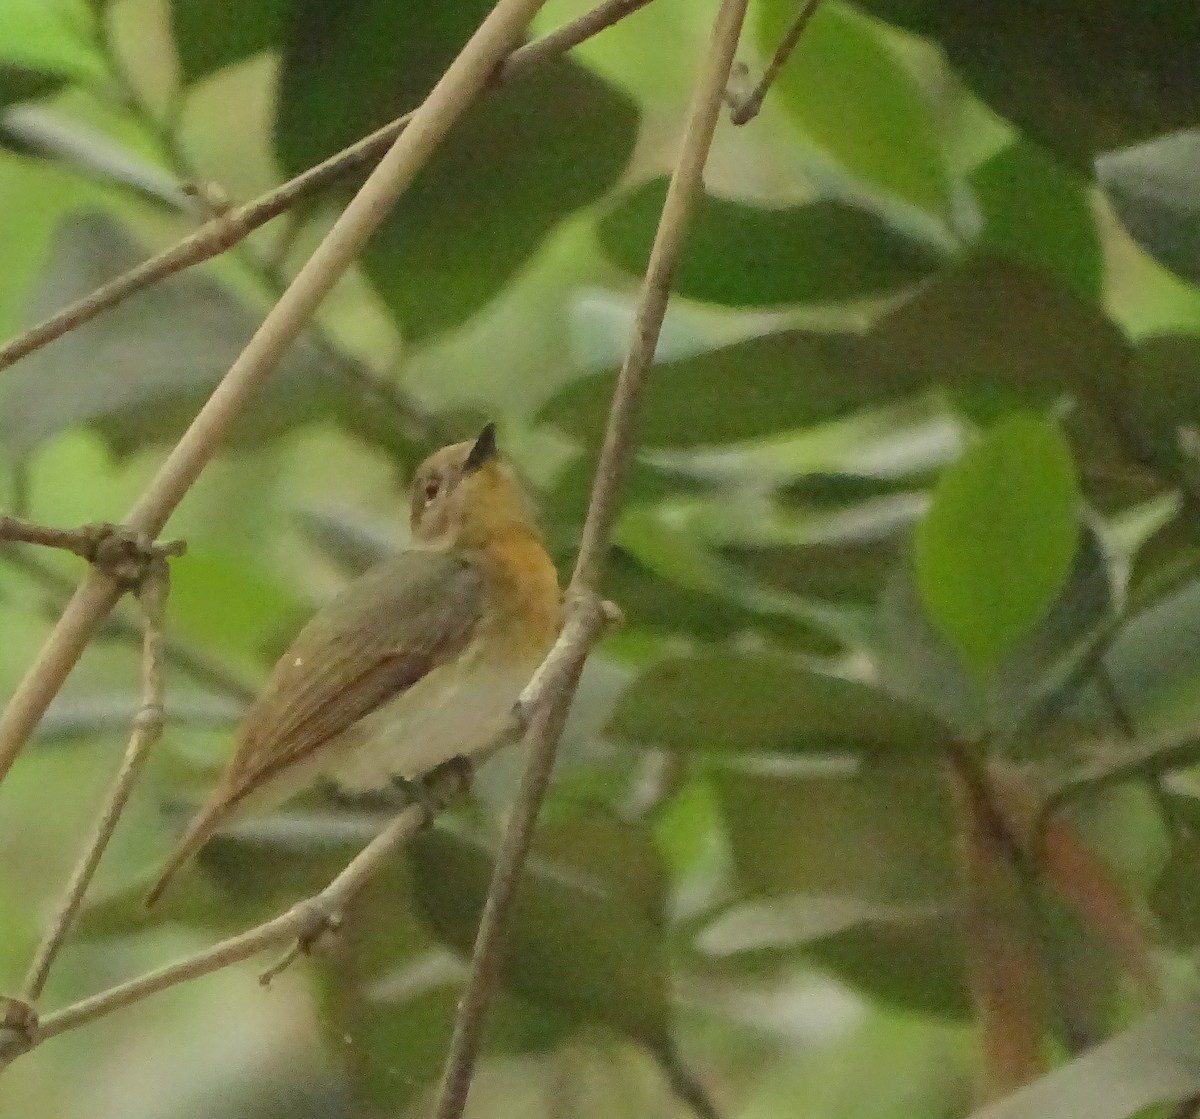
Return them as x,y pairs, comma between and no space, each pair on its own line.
386,630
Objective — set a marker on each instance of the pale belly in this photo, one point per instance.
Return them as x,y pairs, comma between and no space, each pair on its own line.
450,713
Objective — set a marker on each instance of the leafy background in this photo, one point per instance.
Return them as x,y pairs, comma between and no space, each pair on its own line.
917,482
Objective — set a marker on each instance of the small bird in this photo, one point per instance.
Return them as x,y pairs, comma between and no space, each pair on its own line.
417,661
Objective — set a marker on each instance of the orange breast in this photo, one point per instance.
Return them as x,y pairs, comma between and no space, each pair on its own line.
526,599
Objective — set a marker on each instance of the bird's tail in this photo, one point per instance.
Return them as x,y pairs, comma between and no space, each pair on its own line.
198,832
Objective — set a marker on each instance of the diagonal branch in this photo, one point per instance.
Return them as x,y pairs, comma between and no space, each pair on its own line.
454,92
147,729
547,724
225,230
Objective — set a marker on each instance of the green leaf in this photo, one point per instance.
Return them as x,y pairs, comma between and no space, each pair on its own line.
985,324
510,171
741,702
210,34
992,324
844,71
141,371
1153,188
1175,899
883,832
1156,1061
42,44
1079,78
587,939
743,255
761,386
912,956
1036,213
998,542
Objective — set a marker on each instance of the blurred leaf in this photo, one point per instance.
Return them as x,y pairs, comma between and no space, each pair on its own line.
44,43
773,383
656,606
911,955
1161,401
917,965
210,35
844,70
1037,214
914,659
1081,79
47,134
1156,1061
353,543
1153,188
744,255
996,323
984,324
998,542
141,371
511,170
742,702
884,832
1154,658
585,943
1175,899
232,601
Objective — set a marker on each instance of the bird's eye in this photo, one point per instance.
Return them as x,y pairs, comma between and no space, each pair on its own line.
432,489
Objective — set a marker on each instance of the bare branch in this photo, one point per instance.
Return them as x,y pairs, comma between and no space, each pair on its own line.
225,230
147,729
547,724
454,92
125,555
747,110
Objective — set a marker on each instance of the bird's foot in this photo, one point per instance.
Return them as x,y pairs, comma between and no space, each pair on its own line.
438,787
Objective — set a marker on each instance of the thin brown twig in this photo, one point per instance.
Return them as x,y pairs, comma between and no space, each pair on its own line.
747,109
224,231
547,724
305,921
147,729
451,96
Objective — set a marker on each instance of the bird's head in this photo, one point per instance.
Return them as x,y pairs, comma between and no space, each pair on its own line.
465,494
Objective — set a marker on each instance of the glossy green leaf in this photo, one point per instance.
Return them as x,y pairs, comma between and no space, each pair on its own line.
1039,214
587,932
743,255
1153,188
141,371
1000,537
1155,1061
511,170
852,95
210,35
748,703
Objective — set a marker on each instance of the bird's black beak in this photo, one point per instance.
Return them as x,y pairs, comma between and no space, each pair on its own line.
483,451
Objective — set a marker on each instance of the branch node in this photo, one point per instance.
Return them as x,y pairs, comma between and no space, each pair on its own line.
125,554
323,927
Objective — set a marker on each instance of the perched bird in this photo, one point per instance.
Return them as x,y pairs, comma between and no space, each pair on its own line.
416,662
